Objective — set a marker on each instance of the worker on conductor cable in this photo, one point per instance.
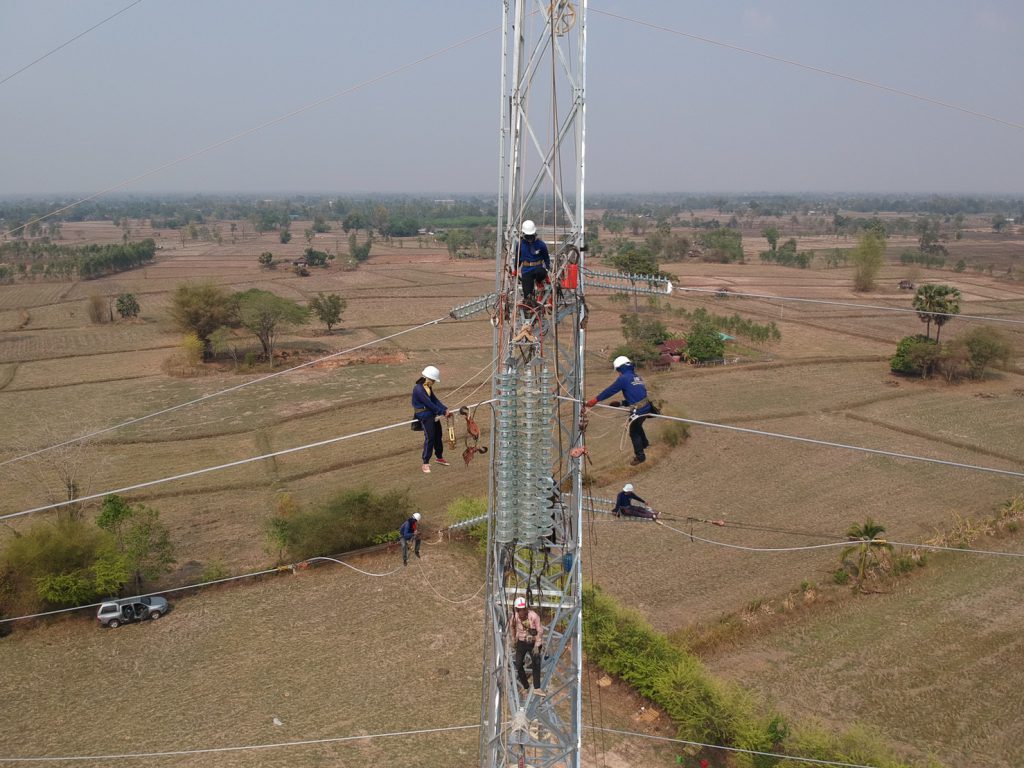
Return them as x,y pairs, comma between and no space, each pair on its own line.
529,638
624,504
428,411
634,394
534,262
410,530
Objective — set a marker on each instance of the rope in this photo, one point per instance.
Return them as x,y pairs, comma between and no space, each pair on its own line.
779,755
818,70
846,543
219,392
825,443
248,747
349,565
69,42
205,470
448,599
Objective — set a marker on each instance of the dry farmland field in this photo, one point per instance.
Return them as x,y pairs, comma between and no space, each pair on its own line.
932,666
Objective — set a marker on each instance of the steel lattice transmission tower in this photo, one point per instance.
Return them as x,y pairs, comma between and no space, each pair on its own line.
534,535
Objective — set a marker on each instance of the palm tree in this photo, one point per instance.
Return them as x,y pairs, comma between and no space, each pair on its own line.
950,305
926,301
866,544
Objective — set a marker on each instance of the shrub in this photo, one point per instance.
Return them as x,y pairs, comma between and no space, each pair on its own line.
214,570
915,354
703,342
347,521
841,576
191,347
673,432
128,305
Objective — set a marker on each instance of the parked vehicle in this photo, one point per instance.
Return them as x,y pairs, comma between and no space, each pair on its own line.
117,612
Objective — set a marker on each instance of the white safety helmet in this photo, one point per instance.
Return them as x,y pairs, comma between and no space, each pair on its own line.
617,363
431,372
520,602
628,487
529,228
416,516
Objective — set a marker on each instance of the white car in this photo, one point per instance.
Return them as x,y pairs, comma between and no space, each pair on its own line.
117,612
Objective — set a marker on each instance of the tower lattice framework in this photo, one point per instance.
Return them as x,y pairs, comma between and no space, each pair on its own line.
535,500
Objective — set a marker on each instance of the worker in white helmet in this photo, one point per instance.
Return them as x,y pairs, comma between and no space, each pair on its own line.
428,410
410,531
528,635
534,261
624,504
634,394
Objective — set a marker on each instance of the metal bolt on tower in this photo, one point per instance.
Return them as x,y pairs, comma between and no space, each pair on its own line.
534,534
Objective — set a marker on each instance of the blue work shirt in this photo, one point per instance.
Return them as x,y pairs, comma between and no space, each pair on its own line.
624,497
532,253
631,386
408,529
426,405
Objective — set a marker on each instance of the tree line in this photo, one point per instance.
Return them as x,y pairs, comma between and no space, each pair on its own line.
84,261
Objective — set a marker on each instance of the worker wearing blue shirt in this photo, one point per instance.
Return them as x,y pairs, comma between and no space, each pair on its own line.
534,260
634,393
428,409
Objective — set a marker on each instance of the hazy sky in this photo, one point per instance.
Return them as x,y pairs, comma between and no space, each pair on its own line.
664,113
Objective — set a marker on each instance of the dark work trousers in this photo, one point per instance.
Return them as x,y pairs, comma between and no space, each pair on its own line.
432,442
530,280
634,511
405,549
524,647
638,436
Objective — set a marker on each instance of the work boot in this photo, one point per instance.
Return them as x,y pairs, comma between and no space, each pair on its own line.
638,460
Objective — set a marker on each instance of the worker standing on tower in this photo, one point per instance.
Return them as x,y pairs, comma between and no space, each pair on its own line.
427,409
534,260
529,637
634,394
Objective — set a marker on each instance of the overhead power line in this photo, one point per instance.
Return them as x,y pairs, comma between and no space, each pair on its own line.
824,443
260,127
218,467
69,42
218,393
852,304
816,69
246,748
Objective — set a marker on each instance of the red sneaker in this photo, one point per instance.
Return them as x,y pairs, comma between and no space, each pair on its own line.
442,462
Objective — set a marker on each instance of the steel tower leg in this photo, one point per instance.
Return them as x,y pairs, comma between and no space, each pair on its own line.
535,505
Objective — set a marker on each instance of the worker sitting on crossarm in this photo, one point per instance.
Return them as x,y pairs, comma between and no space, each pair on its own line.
624,504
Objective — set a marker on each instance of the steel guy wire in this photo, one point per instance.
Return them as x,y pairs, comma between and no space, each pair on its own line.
781,756
69,42
818,70
205,470
248,131
909,310
824,443
245,748
217,393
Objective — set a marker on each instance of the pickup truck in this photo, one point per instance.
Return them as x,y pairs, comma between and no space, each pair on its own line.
117,612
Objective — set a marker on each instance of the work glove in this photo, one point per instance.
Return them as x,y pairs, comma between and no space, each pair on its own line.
591,402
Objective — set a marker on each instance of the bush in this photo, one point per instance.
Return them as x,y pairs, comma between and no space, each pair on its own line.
53,562
350,520
703,342
128,305
915,354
